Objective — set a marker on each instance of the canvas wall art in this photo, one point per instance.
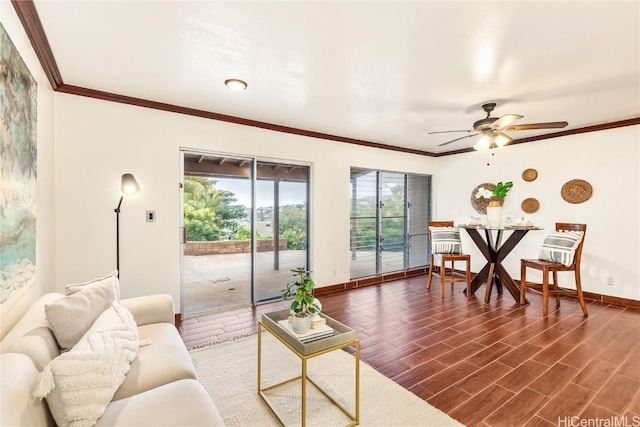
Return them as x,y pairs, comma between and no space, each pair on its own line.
18,149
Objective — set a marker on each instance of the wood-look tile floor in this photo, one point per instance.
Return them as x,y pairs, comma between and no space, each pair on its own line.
498,364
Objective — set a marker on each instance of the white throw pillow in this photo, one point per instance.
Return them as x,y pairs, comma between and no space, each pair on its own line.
110,278
80,383
70,317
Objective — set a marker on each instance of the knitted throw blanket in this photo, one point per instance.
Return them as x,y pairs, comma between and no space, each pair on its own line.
80,383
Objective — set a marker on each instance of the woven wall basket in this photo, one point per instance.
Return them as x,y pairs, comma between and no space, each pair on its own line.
530,205
576,191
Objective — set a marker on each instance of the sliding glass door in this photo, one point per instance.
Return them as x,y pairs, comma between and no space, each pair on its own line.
281,226
245,227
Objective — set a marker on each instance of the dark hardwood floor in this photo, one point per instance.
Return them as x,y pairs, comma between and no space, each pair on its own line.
485,365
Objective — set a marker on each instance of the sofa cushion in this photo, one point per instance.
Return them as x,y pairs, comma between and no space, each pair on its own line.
110,278
72,316
163,361
18,407
33,336
180,403
151,309
80,383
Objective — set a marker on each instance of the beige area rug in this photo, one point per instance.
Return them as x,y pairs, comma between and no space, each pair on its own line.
229,373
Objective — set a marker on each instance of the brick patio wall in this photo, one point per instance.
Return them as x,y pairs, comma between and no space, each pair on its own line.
230,247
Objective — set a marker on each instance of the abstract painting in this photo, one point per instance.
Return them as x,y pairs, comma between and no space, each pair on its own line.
18,149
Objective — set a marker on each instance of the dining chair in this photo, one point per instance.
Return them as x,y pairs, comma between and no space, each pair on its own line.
561,251
446,246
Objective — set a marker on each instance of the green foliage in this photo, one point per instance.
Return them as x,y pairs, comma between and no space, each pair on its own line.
293,226
502,189
302,293
200,224
363,222
210,214
242,234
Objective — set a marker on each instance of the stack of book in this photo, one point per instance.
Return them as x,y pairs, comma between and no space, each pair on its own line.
313,334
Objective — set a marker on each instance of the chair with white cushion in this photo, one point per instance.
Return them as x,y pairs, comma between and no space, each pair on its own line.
446,246
561,251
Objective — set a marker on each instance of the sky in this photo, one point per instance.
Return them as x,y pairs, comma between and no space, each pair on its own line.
290,192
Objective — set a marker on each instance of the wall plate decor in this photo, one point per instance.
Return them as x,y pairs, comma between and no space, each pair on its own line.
530,205
576,191
529,175
480,204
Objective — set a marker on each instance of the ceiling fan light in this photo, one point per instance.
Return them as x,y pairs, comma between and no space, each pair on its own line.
501,139
484,143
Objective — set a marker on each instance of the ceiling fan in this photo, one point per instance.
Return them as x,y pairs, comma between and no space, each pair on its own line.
493,129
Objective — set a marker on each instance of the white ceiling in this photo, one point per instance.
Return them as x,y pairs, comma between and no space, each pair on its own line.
386,72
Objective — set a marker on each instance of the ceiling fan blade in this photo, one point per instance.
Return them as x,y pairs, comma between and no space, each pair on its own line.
449,131
549,125
505,120
457,139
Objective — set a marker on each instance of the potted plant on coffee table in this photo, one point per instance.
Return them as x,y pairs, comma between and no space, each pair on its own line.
303,304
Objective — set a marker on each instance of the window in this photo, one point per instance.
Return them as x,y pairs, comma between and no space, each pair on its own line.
389,215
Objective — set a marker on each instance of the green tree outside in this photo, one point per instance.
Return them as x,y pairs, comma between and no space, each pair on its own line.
211,214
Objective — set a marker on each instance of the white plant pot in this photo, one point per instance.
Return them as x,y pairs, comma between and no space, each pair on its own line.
494,216
301,325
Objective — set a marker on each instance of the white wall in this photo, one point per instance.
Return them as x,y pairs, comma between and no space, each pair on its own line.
97,141
608,160
15,306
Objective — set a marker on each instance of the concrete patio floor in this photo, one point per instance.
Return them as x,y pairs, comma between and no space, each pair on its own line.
219,282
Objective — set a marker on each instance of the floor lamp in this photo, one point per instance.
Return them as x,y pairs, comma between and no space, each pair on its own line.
129,186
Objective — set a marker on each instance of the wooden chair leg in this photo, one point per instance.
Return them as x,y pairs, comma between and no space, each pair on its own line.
555,287
453,267
487,291
523,283
545,292
430,273
580,296
443,277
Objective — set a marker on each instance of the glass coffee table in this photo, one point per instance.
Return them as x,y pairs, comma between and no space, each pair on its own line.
343,337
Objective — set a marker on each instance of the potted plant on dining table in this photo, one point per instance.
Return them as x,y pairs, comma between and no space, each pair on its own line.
496,196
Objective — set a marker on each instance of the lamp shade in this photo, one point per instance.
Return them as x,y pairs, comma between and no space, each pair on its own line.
129,184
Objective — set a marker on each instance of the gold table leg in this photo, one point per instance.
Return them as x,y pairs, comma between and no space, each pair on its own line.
355,418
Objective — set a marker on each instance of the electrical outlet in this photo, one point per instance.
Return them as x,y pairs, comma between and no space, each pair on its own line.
151,216
610,281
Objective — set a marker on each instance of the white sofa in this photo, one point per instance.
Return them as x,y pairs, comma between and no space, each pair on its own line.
160,388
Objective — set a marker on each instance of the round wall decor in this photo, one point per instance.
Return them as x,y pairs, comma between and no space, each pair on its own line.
530,205
576,191
529,175
480,204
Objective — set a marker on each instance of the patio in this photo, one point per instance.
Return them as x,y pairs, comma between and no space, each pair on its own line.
219,282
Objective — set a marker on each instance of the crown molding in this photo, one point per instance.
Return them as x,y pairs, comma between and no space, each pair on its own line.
139,102
28,15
